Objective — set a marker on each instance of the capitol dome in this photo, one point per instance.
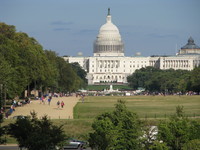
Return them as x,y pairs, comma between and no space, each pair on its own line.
190,48
190,44
108,41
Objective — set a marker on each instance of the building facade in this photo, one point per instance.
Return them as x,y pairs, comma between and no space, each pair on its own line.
109,65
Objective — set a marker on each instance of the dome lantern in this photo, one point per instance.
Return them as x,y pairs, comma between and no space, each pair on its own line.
108,18
190,41
108,11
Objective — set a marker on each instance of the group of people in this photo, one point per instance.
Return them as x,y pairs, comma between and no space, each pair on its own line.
15,104
60,104
43,100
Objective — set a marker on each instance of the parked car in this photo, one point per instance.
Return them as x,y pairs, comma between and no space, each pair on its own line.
75,144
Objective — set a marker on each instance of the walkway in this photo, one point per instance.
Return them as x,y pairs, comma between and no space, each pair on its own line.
52,111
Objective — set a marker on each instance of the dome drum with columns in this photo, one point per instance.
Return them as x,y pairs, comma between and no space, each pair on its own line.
108,41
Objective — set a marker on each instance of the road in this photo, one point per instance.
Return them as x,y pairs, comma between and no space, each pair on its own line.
9,147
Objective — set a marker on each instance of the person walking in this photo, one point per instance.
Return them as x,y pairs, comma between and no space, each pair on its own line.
49,100
43,100
62,104
58,104
82,98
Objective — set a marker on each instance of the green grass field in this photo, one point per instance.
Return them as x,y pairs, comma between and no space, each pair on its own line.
144,106
150,107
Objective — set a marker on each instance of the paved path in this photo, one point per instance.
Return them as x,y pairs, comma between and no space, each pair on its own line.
9,147
51,110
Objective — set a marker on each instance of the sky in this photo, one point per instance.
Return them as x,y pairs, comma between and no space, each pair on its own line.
151,27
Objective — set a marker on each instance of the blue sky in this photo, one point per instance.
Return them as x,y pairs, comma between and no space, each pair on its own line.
152,27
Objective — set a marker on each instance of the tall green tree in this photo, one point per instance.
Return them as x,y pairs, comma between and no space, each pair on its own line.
81,73
178,131
24,65
25,57
53,70
156,80
195,79
32,133
139,77
120,129
68,80
2,129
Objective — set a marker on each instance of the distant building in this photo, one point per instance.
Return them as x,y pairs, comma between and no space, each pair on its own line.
109,65
189,48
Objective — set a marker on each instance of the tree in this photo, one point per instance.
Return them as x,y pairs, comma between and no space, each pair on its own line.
120,129
139,77
195,79
80,72
24,57
68,80
53,71
2,129
178,131
156,80
192,145
24,65
33,133
158,146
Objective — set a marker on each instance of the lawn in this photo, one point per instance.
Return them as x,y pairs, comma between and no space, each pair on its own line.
150,107
144,106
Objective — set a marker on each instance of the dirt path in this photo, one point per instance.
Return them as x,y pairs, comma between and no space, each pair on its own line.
51,110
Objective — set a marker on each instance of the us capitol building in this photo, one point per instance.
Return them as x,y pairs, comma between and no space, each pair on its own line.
109,65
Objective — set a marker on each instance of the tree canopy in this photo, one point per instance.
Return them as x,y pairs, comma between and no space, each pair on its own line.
179,132
80,72
156,80
117,130
32,133
25,65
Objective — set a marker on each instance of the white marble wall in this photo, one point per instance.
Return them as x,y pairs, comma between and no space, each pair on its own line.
116,69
